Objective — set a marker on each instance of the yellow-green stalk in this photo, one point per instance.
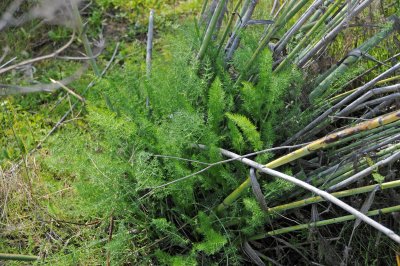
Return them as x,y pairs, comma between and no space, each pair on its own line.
340,194
322,223
17,257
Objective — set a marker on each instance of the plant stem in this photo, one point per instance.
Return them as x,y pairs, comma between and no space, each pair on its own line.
18,257
340,194
85,40
322,223
334,32
352,57
203,9
149,49
228,26
307,37
289,12
285,39
236,40
238,23
313,126
210,30
365,172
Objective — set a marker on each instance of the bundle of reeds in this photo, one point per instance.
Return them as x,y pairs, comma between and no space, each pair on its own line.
352,130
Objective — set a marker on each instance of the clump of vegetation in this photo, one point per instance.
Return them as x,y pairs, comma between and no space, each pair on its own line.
138,176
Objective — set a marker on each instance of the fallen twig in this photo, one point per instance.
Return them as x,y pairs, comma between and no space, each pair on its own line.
68,90
40,58
6,89
209,165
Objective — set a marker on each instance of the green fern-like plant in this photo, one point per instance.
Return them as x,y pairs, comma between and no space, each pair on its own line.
248,128
255,217
252,100
165,228
179,260
216,104
213,241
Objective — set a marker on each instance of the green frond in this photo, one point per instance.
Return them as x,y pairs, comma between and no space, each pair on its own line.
165,229
265,69
165,258
236,137
252,100
256,218
248,128
213,241
216,104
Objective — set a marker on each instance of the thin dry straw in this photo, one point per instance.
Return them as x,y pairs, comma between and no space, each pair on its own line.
327,196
